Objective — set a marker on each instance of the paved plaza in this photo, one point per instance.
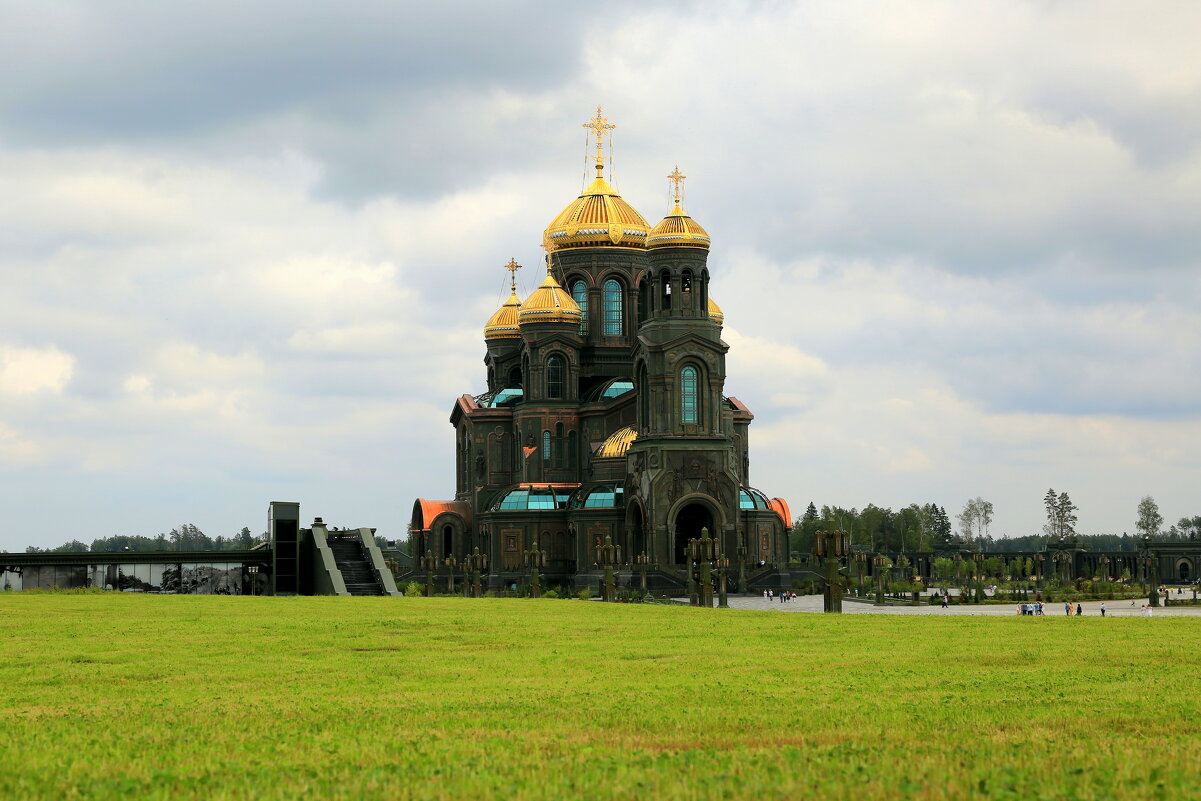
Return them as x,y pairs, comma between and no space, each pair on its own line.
813,603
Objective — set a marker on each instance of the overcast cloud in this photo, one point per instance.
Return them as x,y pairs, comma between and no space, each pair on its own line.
247,249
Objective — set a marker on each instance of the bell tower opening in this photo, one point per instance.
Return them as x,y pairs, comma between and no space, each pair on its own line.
689,522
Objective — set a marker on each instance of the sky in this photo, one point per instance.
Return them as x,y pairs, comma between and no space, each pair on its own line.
247,248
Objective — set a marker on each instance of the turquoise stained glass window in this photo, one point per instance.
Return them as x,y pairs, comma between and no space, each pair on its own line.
579,293
688,395
613,316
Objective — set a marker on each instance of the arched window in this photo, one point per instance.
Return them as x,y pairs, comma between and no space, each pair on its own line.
579,293
688,405
559,445
448,535
554,377
612,308
665,284
546,446
515,377
686,281
644,293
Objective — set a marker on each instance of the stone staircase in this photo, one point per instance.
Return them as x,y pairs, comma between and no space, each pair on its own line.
359,577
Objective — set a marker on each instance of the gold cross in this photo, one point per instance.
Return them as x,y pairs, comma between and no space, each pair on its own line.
513,267
676,179
599,125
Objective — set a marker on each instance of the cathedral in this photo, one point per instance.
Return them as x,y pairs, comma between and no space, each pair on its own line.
605,418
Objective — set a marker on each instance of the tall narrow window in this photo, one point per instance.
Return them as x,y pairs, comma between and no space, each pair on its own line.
579,293
612,308
665,285
554,377
688,395
560,444
546,446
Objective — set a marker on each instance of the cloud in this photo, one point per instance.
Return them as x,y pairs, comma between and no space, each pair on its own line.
24,371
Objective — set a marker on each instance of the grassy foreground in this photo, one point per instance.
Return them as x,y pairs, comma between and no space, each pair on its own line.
115,696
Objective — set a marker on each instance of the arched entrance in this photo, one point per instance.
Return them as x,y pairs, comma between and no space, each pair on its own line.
1184,572
689,522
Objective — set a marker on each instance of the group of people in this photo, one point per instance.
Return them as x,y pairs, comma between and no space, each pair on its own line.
783,595
1040,608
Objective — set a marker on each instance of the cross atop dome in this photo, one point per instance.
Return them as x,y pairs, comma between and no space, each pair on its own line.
513,267
676,179
600,126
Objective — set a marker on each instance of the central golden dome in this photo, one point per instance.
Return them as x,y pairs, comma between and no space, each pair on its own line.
598,218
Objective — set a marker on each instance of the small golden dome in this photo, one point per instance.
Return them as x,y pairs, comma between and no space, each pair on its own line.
549,303
715,313
503,324
678,230
618,443
597,218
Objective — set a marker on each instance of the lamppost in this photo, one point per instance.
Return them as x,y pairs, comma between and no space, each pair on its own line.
723,568
880,564
643,562
1150,564
1039,569
451,563
535,560
860,560
475,563
902,566
429,564
610,557
978,558
253,570
831,546
1104,563
703,551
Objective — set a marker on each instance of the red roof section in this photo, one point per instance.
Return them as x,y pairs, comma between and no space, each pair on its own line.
781,507
431,509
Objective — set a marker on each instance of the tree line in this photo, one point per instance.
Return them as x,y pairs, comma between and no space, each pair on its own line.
186,537
928,528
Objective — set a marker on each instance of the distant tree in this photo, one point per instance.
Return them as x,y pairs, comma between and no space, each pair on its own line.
1149,518
975,519
74,546
1061,516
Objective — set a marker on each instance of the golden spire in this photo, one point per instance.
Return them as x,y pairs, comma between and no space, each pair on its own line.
599,125
513,267
676,179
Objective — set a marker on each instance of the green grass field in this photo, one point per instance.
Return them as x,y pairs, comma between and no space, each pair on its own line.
120,696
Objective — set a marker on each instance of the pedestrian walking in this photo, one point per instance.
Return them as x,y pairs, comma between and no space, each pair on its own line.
1102,609
1079,609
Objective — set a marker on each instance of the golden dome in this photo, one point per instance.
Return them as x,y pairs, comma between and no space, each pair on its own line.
549,303
618,443
503,324
715,313
597,218
678,230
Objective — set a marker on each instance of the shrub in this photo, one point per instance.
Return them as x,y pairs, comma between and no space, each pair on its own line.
413,589
584,594
550,594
